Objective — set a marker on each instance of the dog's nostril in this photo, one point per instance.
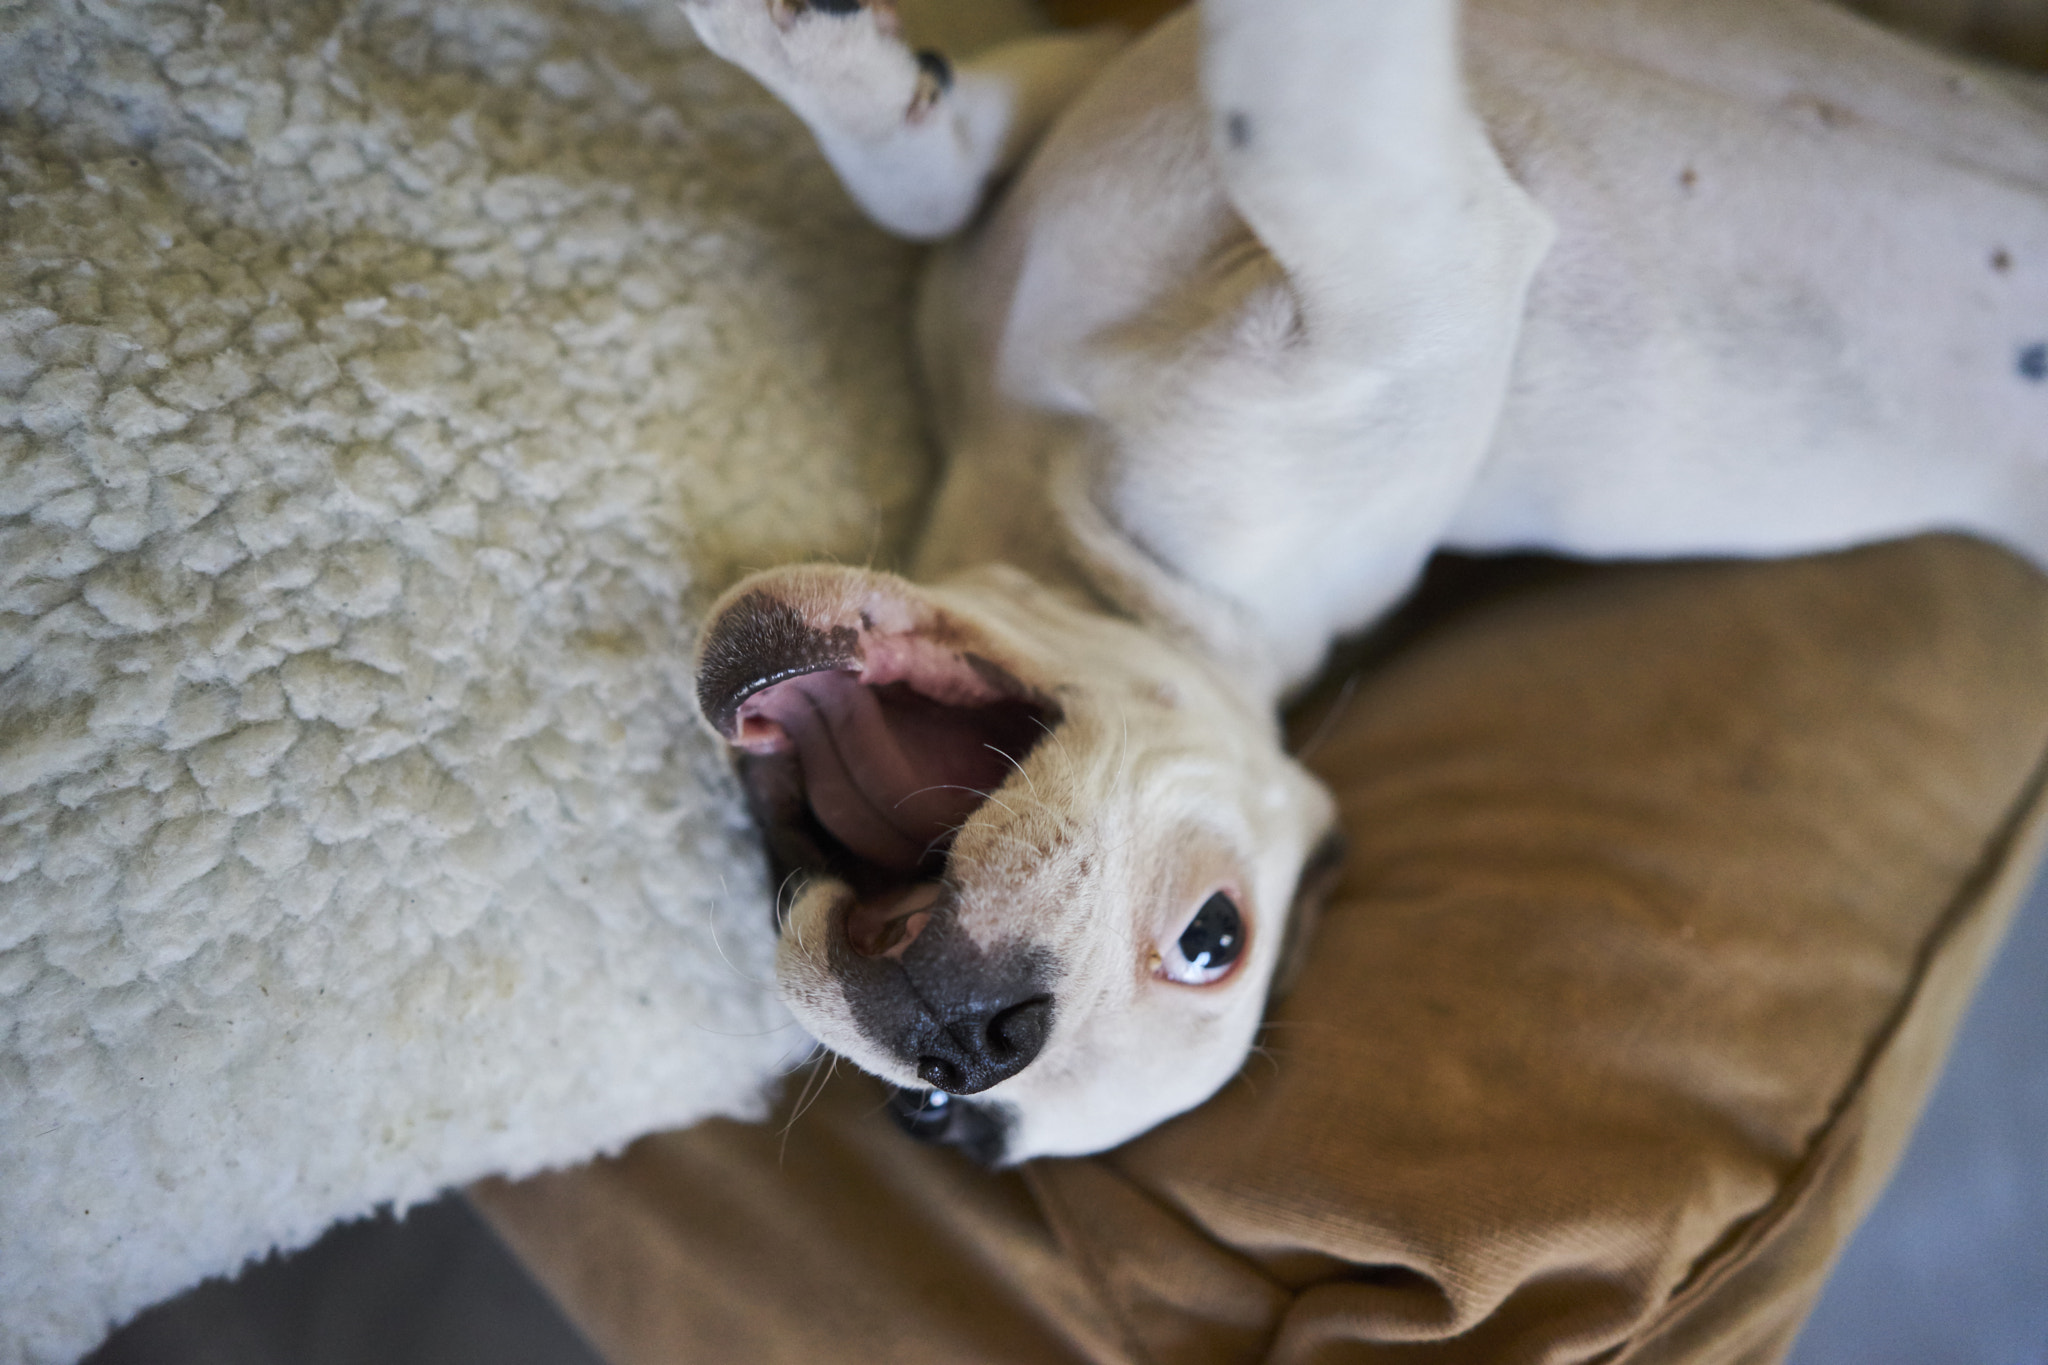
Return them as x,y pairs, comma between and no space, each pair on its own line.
973,1053
1017,1033
940,1074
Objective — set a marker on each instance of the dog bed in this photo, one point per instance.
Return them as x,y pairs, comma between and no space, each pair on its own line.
384,388
1667,888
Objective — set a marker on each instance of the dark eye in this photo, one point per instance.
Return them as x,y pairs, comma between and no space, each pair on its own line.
979,1130
1209,946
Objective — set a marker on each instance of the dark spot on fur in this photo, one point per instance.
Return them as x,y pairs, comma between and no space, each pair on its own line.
2001,260
841,7
935,65
759,641
1829,114
1237,126
1688,178
2033,366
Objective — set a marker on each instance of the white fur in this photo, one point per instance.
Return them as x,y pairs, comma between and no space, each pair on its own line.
1762,311
1296,292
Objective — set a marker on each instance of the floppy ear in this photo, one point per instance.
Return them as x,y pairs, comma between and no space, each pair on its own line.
1318,881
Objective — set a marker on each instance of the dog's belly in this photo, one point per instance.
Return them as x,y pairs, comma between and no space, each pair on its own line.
1799,292
1116,210
1801,271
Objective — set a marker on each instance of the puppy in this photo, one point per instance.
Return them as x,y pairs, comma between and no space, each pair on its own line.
1235,326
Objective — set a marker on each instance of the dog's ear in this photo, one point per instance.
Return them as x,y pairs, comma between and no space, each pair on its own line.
1312,890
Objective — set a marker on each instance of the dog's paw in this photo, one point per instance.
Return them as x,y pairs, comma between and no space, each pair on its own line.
840,64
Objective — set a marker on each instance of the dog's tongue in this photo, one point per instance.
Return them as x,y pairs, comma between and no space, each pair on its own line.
890,773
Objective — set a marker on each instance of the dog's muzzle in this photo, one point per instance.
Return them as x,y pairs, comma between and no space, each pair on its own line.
961,1016
865,775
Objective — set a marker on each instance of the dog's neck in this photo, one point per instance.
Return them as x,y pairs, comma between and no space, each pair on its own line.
1055,531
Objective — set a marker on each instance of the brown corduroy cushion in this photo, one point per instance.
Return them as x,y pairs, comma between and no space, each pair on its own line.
1667,887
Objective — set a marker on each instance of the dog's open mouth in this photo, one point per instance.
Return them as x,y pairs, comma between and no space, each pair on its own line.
870,781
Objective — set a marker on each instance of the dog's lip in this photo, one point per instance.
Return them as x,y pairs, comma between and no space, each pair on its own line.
735,728
758,641
762,640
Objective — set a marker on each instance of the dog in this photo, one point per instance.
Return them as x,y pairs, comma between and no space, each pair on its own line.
1234,325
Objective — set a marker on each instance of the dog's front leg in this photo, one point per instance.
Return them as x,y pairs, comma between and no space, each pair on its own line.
915,141
1303,455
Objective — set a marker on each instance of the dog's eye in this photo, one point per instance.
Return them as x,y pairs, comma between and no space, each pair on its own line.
1208,948
979,1130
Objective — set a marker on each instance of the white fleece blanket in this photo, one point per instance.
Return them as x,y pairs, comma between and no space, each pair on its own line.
384,387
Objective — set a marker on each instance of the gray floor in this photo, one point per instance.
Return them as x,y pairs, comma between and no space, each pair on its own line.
1952,1266
1951,1269
436,1288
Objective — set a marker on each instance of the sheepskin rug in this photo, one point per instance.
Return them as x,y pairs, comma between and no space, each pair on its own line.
384,389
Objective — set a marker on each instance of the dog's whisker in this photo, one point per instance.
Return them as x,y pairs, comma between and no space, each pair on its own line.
1328,721
1058,745
956,787
783,886
783,915
817,1050
813,1089
933,846
1032,849
702,1027
711,923
1059,742
1018,766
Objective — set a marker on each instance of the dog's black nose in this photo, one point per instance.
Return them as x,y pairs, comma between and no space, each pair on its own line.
969,1053
960,1015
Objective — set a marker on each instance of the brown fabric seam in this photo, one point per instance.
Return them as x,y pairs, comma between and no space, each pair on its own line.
2014,850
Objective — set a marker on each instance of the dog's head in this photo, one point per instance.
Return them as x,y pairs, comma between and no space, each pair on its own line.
1031,853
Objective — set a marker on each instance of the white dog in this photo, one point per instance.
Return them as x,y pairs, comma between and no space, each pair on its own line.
1242,322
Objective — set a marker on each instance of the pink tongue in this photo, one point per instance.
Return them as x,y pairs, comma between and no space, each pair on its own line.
890,773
